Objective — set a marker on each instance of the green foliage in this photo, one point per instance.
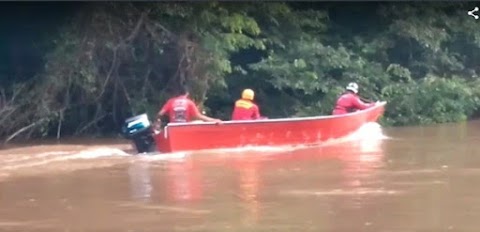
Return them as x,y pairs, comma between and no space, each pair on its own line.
114,60
431,100
397,65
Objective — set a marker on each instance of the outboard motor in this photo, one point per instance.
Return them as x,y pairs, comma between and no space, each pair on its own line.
138,129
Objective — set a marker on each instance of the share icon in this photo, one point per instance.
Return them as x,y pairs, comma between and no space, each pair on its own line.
472,12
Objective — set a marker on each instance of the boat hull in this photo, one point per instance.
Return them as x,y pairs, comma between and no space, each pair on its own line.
268,132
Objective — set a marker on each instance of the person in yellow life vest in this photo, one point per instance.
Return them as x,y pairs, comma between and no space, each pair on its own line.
245,108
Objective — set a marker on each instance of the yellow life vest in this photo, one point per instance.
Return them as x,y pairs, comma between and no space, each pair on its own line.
243,104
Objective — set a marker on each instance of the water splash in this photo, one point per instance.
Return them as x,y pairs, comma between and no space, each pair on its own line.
156,156
369,132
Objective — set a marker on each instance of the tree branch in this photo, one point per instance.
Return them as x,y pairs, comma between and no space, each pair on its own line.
22,130
136,30
59,127
122,43
90,124
125,92
109,74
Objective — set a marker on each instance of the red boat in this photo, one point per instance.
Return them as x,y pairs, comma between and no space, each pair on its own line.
267,132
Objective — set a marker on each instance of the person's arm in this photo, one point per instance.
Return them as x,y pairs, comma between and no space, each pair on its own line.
207,119
158,120
359,104
164,110
198,115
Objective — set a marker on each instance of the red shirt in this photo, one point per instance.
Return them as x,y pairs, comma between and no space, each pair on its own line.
349,102
245,110
180,109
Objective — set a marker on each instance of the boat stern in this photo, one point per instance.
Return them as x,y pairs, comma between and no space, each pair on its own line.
162,141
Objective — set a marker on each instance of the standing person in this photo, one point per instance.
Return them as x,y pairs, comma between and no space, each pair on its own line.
350,101
245,108
182,109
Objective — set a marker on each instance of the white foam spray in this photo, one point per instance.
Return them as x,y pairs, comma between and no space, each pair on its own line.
368,132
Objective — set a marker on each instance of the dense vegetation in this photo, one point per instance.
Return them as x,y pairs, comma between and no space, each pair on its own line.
84,69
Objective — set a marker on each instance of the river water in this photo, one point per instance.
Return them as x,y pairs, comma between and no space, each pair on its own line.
381,179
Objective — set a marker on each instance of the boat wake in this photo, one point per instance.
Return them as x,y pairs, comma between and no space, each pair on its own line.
341,192
253,148
156,156
53,158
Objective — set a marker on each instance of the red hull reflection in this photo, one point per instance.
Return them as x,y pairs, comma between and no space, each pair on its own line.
184,181
357,162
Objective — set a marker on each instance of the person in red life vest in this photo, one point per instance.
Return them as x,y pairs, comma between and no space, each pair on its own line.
350,101
182,109
245,108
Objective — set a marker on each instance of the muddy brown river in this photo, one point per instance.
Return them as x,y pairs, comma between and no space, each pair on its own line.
381,179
